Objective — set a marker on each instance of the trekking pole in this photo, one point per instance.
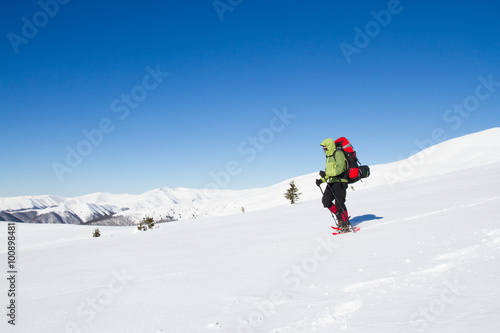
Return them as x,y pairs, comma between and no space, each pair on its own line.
333,215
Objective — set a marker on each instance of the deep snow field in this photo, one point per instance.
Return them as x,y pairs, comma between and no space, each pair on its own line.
427,259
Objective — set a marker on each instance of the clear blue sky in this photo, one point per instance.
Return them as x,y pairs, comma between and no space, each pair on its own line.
69,68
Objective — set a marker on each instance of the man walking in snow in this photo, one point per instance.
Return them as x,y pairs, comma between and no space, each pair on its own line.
335,176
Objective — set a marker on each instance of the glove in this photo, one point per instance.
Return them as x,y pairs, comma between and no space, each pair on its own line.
319,182
322,174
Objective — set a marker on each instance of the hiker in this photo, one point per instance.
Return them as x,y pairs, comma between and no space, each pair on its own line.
336,179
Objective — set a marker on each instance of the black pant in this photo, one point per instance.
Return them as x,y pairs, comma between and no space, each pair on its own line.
338,192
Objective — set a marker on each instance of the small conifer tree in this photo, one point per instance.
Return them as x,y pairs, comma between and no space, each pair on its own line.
146,223
292,193
141,226
97,233
149,222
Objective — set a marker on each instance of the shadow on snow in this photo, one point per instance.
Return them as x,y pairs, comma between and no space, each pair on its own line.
363,218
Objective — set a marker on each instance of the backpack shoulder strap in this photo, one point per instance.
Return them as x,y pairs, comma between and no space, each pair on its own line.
336,150
345,157
333,155
343,175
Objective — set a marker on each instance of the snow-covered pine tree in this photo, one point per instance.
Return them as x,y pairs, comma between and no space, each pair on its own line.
292,193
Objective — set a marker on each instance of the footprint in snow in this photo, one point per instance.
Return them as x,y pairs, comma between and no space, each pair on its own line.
346,310
214,325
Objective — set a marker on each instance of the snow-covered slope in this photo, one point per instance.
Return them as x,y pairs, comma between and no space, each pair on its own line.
471,151
427,259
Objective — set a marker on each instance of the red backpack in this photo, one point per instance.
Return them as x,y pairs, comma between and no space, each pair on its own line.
355,171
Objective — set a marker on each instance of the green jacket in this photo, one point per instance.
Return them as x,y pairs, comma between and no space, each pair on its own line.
336,164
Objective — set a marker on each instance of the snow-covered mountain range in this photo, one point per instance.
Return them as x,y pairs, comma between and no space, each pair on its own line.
478,149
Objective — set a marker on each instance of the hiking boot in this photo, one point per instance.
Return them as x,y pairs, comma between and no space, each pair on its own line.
344,227
345,222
